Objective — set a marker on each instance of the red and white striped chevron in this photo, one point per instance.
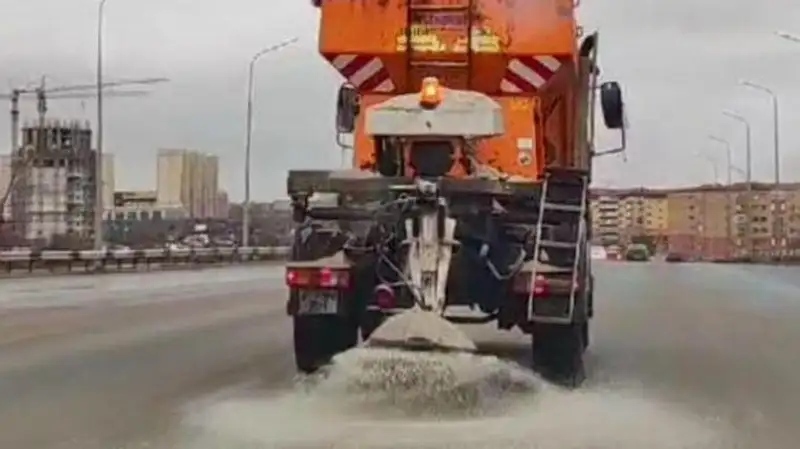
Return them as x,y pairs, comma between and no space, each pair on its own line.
367,73
528,74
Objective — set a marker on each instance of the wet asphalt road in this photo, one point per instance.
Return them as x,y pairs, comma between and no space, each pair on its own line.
115,361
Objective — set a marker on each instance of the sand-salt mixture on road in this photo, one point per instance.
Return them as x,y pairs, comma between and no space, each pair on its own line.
389,399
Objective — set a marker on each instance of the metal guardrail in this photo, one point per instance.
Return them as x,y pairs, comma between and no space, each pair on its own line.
31,260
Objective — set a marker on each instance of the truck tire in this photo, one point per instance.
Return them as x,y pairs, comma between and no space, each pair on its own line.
318,338
557,353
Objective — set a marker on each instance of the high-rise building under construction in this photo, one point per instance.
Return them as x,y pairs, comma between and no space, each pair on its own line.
54,190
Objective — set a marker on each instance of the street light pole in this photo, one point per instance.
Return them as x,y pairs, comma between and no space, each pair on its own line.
713,163
98,176
729,193
749,177
775,125
748,148
729,156
249,132
791,37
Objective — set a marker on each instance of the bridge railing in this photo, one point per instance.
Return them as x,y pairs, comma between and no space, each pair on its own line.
119,259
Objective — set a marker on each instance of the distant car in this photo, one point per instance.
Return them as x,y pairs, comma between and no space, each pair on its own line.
637,253
598,252
674,257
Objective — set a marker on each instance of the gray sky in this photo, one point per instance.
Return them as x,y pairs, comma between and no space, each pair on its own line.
679,61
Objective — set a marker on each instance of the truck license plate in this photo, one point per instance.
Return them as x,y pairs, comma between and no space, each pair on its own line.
316,302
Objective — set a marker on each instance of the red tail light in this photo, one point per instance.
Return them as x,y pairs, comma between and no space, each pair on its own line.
323,277
541,286
522,285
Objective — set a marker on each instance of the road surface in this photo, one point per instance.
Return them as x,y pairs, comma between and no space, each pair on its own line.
683,356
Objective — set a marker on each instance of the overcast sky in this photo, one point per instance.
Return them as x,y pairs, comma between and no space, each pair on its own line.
679,62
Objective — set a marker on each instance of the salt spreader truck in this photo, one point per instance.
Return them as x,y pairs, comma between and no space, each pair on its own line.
471,125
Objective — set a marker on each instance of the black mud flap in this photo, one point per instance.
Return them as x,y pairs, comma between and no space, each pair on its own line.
557,353
318,338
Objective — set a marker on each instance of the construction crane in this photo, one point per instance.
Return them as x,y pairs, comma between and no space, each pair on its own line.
43,93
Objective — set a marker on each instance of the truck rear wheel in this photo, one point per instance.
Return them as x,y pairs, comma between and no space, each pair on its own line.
318,338
557,351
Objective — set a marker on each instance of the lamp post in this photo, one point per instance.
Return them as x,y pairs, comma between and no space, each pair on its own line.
748,143
791,37
775,124
249,132
728,155
749,180
729,193
98,177
713,163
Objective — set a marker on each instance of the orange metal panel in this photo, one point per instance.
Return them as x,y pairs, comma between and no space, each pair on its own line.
360,26
532,27
504,152
527,35
520,27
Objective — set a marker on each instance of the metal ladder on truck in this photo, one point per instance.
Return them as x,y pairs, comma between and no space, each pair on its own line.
420,62
563,204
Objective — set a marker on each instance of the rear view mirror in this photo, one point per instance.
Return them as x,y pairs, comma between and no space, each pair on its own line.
348,106
613,105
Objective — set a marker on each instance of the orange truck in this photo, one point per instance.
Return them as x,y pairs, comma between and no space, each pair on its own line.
471,125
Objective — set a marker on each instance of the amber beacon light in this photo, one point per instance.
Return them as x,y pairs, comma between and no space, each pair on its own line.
431,94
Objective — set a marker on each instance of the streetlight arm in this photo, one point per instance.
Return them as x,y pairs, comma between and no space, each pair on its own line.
739,170
728,154
788,36
272,48
737,117
759,87
775,124
720,140
749,152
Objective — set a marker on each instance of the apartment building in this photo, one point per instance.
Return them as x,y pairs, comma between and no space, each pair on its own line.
700,224
189,179
604,209
620,216
710,222
765,221
722,222
643,214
